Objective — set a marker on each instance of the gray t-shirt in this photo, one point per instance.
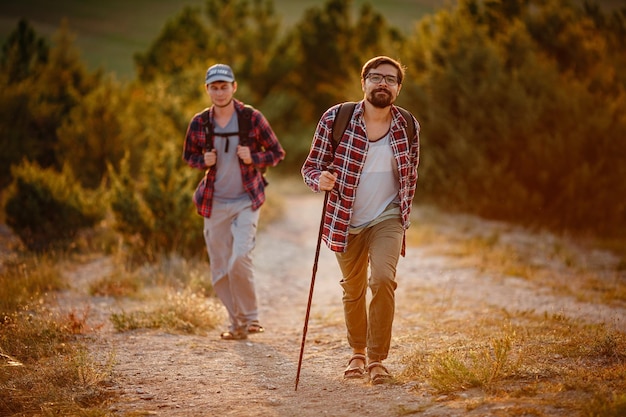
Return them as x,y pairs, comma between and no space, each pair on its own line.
228,183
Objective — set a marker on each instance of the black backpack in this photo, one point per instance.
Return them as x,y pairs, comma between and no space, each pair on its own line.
244,119
345,113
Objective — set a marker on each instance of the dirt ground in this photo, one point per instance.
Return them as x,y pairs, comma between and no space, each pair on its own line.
156,373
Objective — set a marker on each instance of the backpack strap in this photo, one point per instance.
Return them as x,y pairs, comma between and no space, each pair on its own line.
244,119
410,123
245,124
344,113
208,130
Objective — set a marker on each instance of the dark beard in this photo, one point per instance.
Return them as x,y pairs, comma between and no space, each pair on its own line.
380,100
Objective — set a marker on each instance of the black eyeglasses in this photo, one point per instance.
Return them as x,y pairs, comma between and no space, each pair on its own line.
378,78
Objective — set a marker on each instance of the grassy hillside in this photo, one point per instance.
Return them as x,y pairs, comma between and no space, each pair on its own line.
109,33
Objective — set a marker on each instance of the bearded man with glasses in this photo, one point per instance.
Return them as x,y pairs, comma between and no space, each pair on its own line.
371,176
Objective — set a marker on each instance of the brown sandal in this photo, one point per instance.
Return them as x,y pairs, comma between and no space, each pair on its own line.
380,377
355,371
236,335
255,328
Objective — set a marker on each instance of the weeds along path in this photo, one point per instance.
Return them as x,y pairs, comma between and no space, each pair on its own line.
156,373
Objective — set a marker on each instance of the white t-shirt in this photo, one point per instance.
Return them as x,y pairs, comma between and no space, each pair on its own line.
378,185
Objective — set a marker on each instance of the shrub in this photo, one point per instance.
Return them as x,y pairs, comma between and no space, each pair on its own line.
46,208
155,213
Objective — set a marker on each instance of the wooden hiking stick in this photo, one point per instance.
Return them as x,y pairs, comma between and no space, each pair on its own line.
308,306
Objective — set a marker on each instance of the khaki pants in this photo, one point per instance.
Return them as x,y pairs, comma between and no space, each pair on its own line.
230,235
379,248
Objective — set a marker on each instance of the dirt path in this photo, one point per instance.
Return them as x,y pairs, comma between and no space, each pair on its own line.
185,375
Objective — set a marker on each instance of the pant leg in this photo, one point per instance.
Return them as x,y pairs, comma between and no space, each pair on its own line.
241,272
354,265
384,250
219,243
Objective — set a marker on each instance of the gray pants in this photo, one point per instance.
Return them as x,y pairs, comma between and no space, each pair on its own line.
230,235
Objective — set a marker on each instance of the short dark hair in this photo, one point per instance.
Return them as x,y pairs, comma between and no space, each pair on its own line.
380,60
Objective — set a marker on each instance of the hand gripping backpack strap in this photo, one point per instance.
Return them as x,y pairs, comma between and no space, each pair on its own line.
245,126
244,119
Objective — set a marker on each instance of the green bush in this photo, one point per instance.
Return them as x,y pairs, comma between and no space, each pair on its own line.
519,125
46,209
39,87
155,213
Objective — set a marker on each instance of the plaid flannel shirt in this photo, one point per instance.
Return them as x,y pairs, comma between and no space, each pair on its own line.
265,151
348,163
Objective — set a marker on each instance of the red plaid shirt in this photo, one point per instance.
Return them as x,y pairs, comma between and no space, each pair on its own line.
265,151
348,164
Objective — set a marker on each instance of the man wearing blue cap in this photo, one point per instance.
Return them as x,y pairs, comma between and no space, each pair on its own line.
233,143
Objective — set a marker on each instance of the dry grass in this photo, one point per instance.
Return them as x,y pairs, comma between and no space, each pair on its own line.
24,280
525,362
171,273
537,359
44,368
186,312
176,294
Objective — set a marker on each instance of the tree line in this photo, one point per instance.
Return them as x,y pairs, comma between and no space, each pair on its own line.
522,105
